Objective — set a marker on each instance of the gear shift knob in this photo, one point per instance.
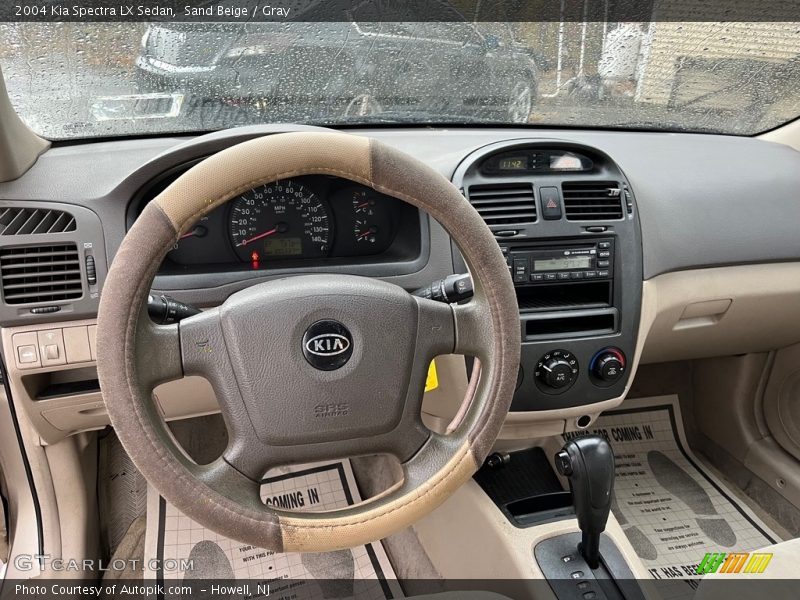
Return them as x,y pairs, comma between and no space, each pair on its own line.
588,462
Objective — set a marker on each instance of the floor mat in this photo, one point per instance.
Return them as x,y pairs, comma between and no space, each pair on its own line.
174,541
124,491
671,507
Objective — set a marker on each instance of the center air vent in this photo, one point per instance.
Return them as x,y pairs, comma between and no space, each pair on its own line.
35,274
504,204
32,221
592,200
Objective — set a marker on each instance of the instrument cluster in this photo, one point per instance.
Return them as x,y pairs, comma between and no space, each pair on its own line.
298,221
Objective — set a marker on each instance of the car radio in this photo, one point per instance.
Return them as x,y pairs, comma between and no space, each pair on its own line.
553,264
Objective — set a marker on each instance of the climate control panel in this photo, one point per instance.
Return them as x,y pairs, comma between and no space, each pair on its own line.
557,370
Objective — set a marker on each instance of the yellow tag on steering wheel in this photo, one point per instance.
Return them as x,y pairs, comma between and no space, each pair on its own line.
432,382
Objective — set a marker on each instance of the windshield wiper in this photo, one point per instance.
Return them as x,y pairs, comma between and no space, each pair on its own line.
655,125
408,118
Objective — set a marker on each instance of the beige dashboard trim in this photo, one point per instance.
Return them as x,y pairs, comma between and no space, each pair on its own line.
742,309
57,418
20,147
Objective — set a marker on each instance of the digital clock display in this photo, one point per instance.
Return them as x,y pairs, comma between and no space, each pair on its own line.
513,163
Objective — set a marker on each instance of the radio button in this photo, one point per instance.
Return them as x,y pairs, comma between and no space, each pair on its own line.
604,253
563,275
604,245
602,263
537,276
577,274
550,276
603,273
520,270
591,274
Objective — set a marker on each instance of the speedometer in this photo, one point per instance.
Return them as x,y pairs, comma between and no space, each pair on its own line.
280,219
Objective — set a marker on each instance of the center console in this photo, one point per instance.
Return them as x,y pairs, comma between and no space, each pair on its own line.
578,565
565,218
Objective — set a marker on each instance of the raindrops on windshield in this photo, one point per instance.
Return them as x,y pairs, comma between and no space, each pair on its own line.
73,80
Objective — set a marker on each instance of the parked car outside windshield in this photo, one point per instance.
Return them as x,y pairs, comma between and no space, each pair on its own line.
349,71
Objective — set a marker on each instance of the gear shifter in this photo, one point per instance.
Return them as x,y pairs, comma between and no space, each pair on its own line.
588,462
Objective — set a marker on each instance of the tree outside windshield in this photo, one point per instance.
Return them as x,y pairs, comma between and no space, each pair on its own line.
76,80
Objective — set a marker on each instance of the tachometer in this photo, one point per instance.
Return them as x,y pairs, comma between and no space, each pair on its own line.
280,219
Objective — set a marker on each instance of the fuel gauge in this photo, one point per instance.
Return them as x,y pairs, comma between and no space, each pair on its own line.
366,232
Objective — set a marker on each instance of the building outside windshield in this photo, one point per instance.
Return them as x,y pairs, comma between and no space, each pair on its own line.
476,64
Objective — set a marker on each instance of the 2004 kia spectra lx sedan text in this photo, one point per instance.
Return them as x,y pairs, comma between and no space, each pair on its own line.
387,299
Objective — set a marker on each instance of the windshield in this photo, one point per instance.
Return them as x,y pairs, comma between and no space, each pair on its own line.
76,80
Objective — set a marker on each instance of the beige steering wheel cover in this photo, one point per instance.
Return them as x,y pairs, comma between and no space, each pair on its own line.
212,183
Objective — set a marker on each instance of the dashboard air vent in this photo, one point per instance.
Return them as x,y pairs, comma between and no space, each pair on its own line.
504,203
31,221
592,200
34,274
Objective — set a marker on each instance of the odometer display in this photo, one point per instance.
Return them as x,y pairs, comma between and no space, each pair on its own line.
281,219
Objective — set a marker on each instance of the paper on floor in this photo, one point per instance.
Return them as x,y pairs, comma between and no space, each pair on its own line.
172,539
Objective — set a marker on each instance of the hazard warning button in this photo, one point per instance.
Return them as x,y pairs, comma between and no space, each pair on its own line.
551,203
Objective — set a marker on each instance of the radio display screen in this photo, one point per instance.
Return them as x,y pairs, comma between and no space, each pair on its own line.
560,264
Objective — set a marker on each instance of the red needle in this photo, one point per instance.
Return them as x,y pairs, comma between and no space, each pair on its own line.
259,236
197,231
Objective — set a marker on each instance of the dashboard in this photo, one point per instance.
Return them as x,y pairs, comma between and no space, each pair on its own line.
624,248
303,221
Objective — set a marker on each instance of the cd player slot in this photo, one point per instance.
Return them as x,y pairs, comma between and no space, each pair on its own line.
589,294
568,324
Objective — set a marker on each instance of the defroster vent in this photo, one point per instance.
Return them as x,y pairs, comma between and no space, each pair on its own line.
48,273
16,220
592,200
504,203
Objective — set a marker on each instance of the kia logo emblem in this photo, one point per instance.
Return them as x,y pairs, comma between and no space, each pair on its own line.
327,345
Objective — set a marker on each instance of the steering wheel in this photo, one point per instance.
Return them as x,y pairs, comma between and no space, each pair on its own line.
308,368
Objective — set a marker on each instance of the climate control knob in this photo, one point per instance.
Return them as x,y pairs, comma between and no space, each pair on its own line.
608,365
556,371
